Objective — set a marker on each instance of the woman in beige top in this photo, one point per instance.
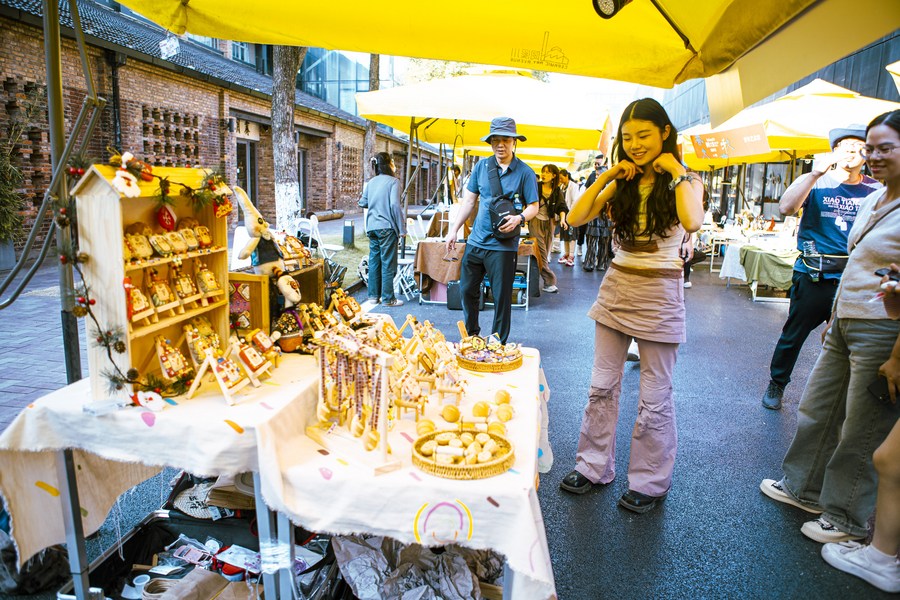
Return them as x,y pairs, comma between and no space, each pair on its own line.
652,201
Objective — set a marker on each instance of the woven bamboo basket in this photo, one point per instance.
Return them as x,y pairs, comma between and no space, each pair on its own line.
501,463
489,367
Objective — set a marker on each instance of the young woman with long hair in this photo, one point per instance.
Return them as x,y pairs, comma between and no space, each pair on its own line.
652,201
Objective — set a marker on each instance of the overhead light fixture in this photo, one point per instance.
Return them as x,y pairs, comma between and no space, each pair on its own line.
609,8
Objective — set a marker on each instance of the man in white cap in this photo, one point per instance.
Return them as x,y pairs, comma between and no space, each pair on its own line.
489,249
829,195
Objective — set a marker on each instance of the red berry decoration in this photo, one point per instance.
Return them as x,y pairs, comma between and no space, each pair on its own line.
80,171
92,302
63,258
81,300
99,339
62,211
72,170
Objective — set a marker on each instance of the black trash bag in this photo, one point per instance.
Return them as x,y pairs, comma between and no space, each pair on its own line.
48,569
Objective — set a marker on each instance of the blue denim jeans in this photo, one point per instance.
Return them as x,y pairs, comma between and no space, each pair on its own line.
382,263
840,424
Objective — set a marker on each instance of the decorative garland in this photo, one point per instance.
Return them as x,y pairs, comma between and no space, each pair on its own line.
130,170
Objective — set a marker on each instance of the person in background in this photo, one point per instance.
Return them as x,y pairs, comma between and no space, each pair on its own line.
542,225
455,184
567,234
828,468
829,196
485,253
384,226
653,201
581,232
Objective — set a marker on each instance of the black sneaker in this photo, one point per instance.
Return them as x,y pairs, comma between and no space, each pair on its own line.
576,483
638,502
772,397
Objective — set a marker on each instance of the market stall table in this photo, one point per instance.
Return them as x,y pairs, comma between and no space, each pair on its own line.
115,451
338,492
772,267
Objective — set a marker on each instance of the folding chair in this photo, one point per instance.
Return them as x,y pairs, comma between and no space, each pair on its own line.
309,228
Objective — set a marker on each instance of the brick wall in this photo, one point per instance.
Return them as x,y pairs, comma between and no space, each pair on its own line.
171,119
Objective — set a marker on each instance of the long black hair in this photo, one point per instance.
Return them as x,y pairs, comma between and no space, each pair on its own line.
381,164
624,207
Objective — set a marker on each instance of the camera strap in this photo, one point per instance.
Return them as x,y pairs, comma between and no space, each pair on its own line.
494,178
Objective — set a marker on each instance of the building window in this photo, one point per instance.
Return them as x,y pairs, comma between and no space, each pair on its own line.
265,58
203,40
246,167
243,52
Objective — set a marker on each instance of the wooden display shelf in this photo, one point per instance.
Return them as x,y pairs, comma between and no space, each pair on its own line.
159,261
143,330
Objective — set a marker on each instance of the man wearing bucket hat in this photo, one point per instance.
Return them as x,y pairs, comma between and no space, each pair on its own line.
488,249
829,195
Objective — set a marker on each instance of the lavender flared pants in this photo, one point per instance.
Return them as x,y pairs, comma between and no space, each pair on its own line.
654,439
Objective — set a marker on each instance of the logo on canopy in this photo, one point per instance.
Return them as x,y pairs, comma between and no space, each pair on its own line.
547,56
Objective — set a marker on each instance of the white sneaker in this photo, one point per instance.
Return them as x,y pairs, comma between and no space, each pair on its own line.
550,289
688,285
581,250
634,353
852,557
822,530
775,490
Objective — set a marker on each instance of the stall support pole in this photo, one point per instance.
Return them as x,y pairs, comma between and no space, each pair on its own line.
286,536
71,509
266,527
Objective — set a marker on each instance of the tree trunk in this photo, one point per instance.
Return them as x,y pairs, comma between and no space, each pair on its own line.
288,205
369,143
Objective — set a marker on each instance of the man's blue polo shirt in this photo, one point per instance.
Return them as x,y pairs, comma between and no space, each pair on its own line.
518,178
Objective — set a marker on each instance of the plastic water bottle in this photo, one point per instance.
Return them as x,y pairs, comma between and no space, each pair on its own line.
517,203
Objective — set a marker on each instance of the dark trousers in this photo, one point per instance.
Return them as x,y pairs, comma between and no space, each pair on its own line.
580,232
382,263
810,307
500,267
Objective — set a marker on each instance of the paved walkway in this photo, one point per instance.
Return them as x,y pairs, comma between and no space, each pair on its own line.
715,536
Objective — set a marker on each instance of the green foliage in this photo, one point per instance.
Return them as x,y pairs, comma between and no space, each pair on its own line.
22,119
11,202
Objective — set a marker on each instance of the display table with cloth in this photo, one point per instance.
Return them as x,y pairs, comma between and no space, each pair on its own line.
731,262
431,267
337,492
771,267
113,452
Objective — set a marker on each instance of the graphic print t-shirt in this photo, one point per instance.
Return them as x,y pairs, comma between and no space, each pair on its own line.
828,214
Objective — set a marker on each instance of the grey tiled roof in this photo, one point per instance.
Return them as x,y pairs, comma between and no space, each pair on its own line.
121,30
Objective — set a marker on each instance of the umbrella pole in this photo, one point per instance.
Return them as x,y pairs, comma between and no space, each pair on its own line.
412,129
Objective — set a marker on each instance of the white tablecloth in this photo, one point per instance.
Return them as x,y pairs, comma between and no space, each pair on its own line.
116,451
336,492
731,262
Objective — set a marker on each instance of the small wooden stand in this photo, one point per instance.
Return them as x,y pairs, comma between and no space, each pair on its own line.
210,363
252,374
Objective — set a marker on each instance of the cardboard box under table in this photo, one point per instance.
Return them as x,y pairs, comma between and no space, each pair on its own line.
336,491
113,452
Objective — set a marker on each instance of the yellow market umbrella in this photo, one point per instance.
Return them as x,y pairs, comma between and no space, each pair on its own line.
798,123
764,44
458,110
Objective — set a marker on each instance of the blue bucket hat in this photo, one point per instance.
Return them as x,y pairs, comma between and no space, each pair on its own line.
503,127
850,131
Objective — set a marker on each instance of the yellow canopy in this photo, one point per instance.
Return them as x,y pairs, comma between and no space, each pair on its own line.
679,40
796,123
460,109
